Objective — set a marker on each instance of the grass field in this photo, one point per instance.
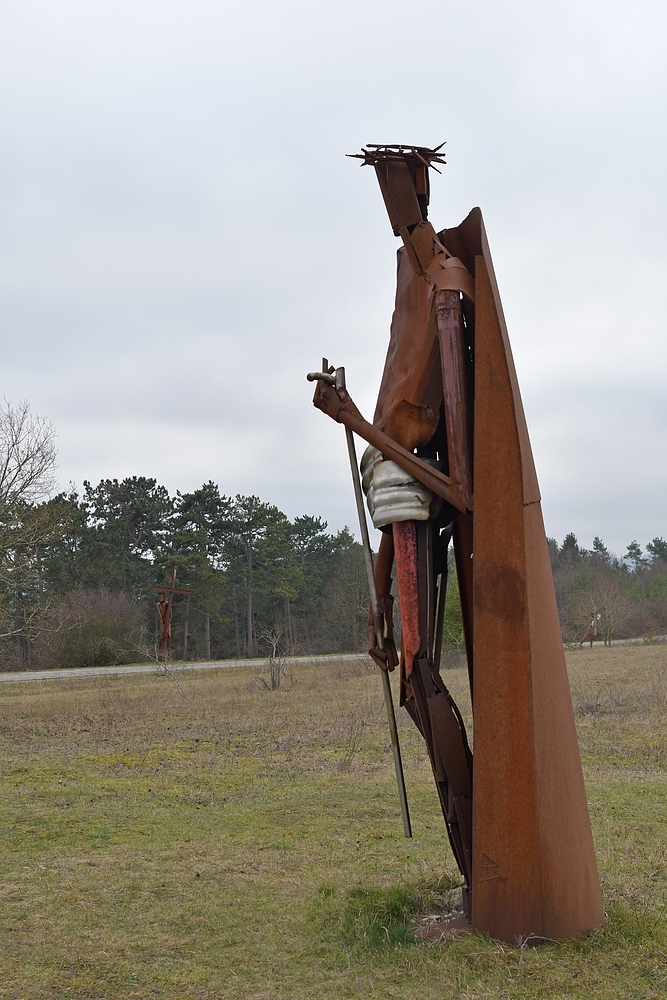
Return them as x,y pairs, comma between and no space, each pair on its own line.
237,842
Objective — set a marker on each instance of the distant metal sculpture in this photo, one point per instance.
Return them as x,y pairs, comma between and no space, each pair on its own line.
591,632
164,611
450,458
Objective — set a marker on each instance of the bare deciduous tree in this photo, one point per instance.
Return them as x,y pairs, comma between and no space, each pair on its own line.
279,645
607,600
27,456
27,476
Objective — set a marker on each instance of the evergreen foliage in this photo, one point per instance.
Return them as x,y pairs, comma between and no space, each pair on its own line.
256,578
78,572
627,596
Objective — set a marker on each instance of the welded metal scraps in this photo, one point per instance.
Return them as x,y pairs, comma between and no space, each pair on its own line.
449,421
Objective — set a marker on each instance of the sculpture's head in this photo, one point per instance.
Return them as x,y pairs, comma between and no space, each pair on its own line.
402,172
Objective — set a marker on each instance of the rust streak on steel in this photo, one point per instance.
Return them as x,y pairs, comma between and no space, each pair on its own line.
405,550
449,417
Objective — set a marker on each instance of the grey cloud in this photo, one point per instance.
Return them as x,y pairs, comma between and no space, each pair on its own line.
181,237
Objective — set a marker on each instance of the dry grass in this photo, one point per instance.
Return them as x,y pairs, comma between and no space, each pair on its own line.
245,843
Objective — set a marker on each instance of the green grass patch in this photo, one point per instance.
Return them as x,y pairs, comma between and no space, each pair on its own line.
367,918
234,843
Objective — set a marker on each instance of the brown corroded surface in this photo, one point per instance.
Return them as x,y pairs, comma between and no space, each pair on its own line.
449,413
534,868
410,394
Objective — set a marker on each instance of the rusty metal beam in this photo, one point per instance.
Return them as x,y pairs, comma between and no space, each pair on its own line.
449,315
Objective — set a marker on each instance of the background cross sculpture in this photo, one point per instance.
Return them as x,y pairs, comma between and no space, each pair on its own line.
164,610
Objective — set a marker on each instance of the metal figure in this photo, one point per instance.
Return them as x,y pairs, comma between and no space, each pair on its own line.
591,632
450,459
164,610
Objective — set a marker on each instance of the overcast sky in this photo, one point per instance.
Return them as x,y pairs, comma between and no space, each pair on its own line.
182,238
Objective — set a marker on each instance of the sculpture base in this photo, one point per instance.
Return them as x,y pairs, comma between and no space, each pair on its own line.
440,930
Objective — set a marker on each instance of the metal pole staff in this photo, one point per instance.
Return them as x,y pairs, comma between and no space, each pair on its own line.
339,382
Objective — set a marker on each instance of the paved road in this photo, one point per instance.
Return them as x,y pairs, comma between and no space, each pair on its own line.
151,668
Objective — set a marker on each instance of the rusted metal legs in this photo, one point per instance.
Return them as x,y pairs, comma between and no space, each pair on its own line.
423,691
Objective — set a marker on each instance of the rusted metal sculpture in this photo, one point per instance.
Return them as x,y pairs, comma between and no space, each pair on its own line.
450,459
164,612
591,632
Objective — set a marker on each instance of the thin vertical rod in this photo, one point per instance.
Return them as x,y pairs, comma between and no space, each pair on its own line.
442,602
377,620
440,621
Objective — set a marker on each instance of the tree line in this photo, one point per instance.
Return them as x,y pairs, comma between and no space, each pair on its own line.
626,596
78,571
